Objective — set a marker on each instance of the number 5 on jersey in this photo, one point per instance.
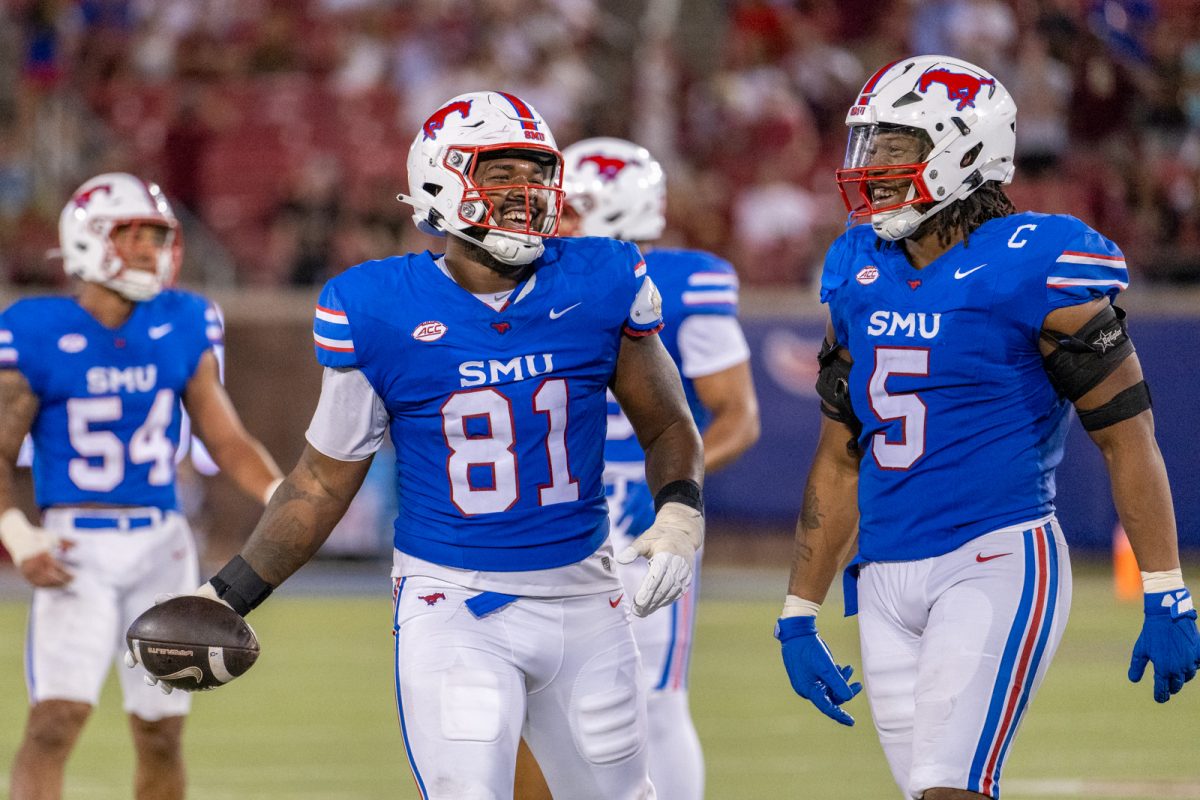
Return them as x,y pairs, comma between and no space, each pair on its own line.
493,448
906,406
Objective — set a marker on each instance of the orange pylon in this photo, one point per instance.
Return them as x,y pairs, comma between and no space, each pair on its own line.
1127,579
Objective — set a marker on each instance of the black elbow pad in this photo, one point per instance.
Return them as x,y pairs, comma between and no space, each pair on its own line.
833,386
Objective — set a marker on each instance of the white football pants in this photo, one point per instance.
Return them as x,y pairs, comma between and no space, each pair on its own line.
121,559
562,672
954,649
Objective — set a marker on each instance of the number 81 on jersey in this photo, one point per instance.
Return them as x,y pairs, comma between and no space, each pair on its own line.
490,447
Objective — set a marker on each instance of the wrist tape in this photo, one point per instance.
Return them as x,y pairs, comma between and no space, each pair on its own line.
22,539
794,606
1168,581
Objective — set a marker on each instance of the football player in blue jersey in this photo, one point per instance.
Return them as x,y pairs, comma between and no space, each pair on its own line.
961,334
616,188
488,366
97,380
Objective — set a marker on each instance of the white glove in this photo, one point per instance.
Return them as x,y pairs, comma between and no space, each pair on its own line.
132,662
22,539
670,545
204,590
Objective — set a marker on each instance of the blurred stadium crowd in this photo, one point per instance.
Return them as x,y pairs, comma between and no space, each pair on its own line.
281,127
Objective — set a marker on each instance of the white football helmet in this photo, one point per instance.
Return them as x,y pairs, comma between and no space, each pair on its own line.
617,188
95,211
970,119
441,168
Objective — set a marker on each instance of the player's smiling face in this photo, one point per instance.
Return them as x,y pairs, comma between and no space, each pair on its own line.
515,205
891,149
138,244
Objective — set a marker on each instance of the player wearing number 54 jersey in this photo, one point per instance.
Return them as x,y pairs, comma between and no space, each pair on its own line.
488,366
97,380
961,333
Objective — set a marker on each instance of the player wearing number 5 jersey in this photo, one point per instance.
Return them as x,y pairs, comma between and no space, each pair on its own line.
488,366
97,380
961,333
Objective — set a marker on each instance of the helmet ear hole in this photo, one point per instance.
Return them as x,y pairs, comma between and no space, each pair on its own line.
431,188
969,157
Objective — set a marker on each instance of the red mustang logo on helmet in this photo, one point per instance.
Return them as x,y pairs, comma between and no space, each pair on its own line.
83,198
438,119
609,168
959,86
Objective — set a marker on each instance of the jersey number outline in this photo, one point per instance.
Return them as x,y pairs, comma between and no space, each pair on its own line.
148,445
906,406
494,449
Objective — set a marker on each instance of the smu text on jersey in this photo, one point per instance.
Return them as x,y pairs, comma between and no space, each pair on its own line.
108,421
948,375
497,414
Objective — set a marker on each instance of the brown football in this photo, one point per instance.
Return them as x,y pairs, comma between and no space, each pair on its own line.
193,643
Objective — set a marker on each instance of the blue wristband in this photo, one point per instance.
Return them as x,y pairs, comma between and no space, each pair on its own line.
1178,603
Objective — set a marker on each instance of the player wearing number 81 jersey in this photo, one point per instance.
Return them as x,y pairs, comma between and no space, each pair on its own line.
488,365
97,380
500,405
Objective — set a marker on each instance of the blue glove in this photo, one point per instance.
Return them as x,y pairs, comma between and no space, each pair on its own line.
1169,640
811,669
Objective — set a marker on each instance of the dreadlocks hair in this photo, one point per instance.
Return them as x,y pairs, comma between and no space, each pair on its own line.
987,202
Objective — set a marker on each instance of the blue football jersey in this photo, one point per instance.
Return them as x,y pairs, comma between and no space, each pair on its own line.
961,427
497,417
107,425
691,283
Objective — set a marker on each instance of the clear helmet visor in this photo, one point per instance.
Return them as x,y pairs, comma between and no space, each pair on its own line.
883,171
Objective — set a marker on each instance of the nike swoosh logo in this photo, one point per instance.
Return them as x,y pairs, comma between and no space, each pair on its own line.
186,672
959,274
159,331
980,557
555,314
617,602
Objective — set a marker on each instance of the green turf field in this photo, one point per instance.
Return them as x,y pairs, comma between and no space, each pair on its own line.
315,718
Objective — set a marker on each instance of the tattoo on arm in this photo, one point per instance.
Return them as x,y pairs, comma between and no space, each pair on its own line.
18,407
810,520
810,511
300,517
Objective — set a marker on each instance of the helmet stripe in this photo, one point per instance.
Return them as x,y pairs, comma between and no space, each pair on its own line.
524,113
870,84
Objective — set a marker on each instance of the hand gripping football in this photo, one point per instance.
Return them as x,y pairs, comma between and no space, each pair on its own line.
192,643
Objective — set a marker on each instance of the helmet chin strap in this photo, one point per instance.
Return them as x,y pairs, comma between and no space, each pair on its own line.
507,247
137,289
135,285
903,222
517,249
